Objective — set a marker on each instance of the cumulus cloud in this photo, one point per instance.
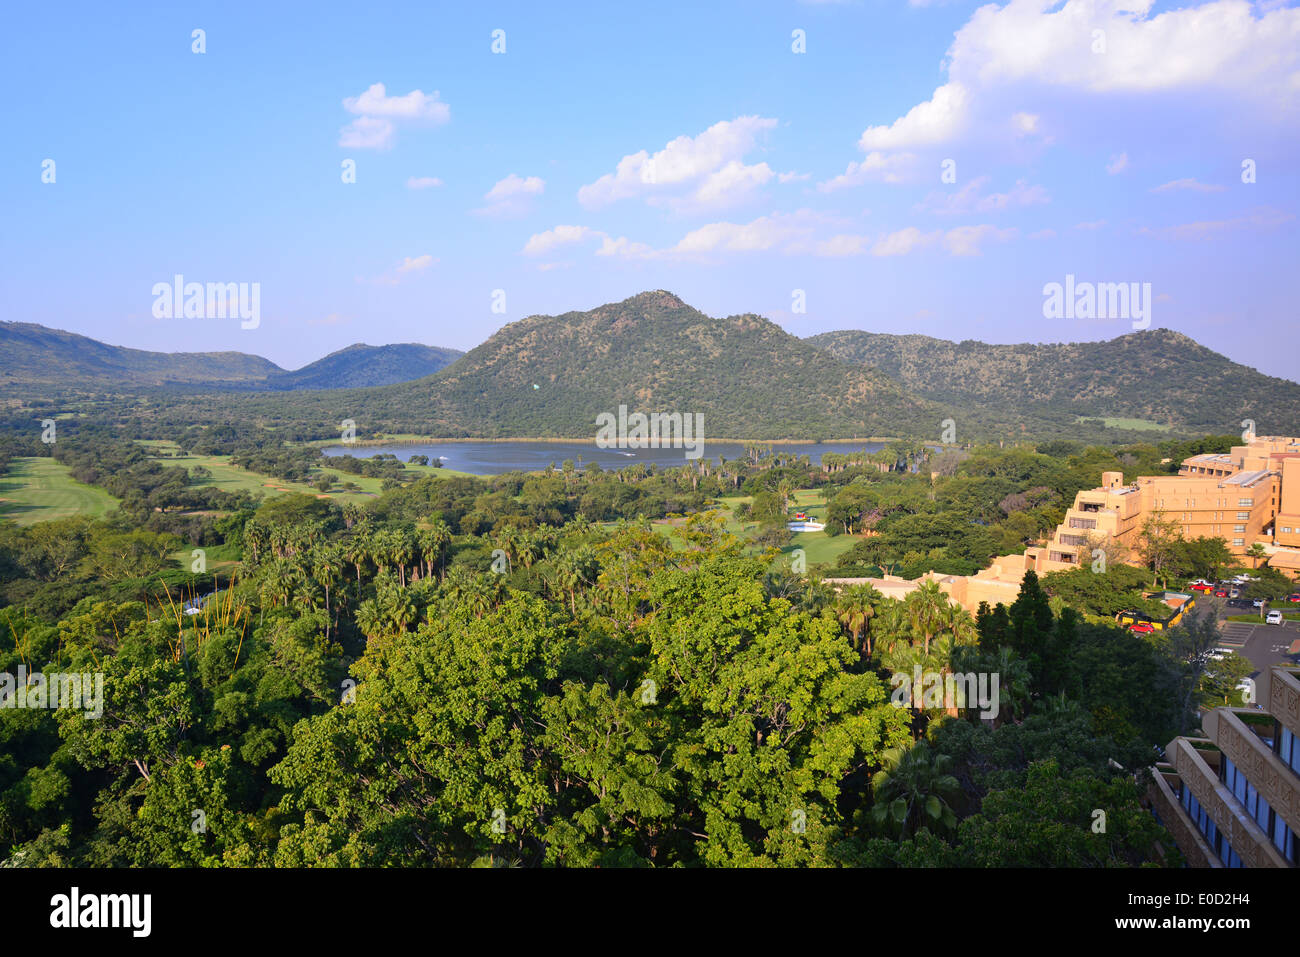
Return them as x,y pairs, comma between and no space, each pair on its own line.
700,172
937,120
876,167
1228,60
378,115
1117,164
541,243
512,196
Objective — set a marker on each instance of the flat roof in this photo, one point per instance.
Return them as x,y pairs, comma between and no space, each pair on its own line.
1246,478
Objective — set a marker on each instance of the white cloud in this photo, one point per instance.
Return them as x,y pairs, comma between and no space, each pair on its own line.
965,240
1025,124
689,172
935,121
1117,164
409,264
377,115
1187,184
766,232
367,133
1225,60
512,196
423,182
876,167
418,264
544,242
902,242
415,105
1258,219
968,198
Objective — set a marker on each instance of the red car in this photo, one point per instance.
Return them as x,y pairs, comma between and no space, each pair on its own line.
1201,587
1220,593
1141,628
1295,597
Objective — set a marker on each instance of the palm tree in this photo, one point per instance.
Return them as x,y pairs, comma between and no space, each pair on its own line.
855,608
358,549
914,789
327,568
433,540
927,611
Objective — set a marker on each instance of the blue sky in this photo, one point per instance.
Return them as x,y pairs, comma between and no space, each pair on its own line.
616,148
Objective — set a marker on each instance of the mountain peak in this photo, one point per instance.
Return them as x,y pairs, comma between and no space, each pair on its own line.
655,299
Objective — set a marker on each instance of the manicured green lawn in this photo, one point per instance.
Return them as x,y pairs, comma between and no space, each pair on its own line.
819,548
41,490
232,478
1145,425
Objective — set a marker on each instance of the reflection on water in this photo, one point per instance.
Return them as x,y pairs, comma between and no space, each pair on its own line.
493,458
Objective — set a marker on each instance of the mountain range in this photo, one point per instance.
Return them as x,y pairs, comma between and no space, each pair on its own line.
34,355
550,376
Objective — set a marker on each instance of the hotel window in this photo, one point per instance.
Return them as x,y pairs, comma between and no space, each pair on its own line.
1239,541
1239,528
1242,516
1288,749
1245,502
1286,530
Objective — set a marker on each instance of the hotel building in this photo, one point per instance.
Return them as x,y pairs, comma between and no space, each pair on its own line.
1247,496
1231,797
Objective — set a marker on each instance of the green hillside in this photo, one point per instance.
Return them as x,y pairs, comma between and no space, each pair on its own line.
1157,376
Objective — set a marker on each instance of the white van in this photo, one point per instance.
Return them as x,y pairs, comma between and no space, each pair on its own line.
1274,618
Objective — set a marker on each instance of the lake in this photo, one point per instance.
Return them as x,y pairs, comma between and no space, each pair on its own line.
493,458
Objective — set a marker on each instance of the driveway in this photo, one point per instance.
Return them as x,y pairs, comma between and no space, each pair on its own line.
1261,644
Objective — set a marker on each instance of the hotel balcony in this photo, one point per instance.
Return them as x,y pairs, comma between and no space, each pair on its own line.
1232,798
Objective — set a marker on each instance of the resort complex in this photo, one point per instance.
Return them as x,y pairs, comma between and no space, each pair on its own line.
1249,497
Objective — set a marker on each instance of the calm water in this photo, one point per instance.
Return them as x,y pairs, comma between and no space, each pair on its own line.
493,458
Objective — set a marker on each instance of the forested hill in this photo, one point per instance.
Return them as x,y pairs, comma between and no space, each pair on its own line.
1158,375
552,375
34,356
361,365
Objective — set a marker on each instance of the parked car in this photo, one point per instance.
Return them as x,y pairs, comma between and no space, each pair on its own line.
1258,603
1294,596
1274,618
1142,628
1220,593
1201,586
1234,592
1239,603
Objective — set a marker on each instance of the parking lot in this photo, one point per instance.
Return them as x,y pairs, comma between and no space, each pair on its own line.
1261,644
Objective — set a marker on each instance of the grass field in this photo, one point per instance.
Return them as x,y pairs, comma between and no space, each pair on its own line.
819,548
1140,425
41,490
232,478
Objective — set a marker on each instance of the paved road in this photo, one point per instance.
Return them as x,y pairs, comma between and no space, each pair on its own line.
1261,644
